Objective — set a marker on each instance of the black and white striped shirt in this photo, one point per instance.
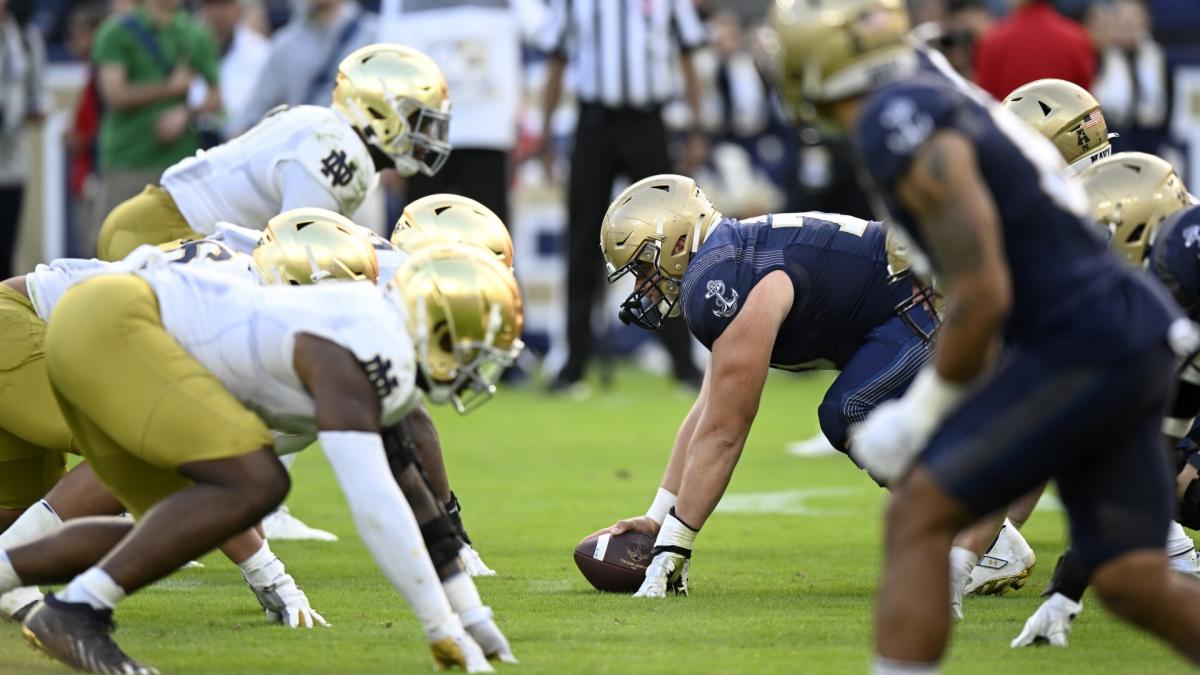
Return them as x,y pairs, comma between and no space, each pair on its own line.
623,51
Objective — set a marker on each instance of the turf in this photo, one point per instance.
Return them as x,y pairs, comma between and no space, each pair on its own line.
771,593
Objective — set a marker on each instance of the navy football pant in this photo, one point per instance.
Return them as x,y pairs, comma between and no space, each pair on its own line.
880,370
1095,429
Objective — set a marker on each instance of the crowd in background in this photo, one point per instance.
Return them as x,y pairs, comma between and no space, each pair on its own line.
168,77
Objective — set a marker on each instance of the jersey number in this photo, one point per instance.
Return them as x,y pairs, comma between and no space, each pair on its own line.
201,249
847,224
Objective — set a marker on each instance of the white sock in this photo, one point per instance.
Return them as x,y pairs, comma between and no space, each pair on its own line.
93,587
8,576
962,561
883,666
464,599
1178,542
36,522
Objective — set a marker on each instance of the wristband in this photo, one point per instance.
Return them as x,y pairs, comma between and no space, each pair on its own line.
663,502
931,397
675,536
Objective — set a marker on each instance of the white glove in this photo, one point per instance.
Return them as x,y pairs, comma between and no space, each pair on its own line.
459,651
487,635
473,564
1051,623
668,571
895,432
277,592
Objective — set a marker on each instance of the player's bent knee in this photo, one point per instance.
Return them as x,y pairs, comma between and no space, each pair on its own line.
1132,585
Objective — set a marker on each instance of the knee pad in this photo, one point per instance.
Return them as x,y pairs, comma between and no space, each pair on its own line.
441,539
400,450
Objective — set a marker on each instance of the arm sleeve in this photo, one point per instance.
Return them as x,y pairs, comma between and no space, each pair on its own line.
386,523
300,188
689,31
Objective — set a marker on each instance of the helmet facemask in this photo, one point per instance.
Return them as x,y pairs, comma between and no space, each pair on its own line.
413,136
641,307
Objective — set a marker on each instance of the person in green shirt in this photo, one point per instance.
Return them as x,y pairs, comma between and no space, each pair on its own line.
146,60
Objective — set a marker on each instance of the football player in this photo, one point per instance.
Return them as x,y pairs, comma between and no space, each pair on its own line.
1088,343
1131,195
390,110
303,245
440,218
1068,115
1072,120
795,291
182,450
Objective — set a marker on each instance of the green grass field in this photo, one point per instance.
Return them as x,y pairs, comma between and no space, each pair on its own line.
771,593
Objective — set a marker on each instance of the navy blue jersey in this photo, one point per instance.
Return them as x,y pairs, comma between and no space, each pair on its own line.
1175,258
1068,289
838,269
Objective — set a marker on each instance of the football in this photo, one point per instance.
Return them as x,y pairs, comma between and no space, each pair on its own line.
615,563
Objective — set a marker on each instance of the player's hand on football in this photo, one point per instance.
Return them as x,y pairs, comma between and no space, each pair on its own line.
488,636
643,524
1050,624
886,444
284,602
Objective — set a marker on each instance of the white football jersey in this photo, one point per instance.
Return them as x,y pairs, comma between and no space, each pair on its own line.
244,334
246,180
47,283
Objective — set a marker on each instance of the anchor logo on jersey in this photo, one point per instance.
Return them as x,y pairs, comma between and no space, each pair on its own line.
725,306
1191,236
335,167
379,372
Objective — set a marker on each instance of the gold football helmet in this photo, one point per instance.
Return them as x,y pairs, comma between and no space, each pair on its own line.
465,317
397,98
651,230
1068,115
1131,193
308,245
448,217
825,50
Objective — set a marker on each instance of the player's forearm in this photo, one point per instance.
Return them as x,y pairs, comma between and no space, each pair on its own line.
970,331
711,459
673,476
242,546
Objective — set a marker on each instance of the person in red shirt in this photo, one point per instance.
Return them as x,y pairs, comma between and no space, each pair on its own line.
1033,43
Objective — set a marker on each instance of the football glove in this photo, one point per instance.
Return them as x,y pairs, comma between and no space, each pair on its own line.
894,433
668,571
1051,623
473,564
280,597
487,635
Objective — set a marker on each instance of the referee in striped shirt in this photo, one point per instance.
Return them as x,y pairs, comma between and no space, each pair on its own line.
623,55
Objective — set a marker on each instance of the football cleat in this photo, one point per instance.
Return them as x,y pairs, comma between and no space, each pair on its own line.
1005,567
459,651
473,564
1185,563
78,635
281,525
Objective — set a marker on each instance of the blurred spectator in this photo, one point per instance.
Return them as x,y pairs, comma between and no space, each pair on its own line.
736,104
80,139
22,98
146,60
623,56
965,24
477,44
305,54
244,53
1131,84
1033,43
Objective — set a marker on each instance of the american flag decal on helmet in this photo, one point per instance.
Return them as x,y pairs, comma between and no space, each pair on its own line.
1093,119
